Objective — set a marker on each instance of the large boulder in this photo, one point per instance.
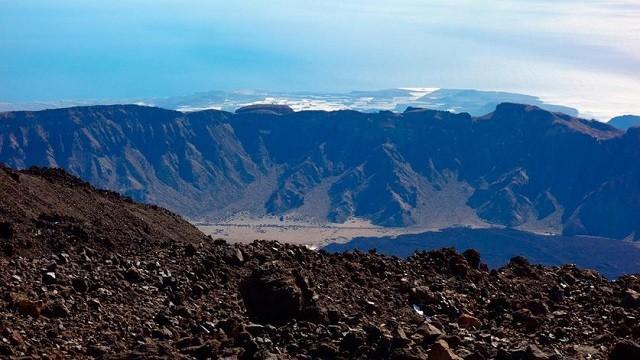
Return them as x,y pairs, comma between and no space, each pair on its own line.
625,350
272,296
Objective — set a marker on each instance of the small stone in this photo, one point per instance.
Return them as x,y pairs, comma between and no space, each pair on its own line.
239,256
28,307
190,250
162,333
62,258
55,310
52,267
631,299
94,304
5,350
370,306
14,337
97,350
531,352
534,353
80,285
537,307
133,275
422,295
467,321
163,319
325,351
429,332
49,278
441,351
352,341
400,338
204,351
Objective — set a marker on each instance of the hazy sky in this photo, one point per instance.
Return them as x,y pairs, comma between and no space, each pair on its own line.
580,53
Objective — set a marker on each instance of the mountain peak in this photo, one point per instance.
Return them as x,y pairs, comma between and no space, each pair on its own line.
509,107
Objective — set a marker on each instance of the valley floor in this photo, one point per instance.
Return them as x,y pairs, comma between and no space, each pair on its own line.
308,233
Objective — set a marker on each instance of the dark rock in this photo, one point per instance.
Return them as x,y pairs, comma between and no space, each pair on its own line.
625,350
631,299
163,319
473,258
556,293
97,350
422,295
190,250
80,285
531,352
325,351
467,321
6,230
441,351
6,350
374,333
400,338
49,278
133,275
458,266
524,317
63,258
272,296
94,304
429,332
352,341
28,307
204,351
56,309
162,333
537,307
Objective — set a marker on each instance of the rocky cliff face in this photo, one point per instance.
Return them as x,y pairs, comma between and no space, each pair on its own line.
164,290
519,166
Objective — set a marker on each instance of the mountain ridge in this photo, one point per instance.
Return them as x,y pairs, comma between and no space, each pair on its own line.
519,166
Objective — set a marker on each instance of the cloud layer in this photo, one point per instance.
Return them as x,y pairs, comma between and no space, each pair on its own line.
582,53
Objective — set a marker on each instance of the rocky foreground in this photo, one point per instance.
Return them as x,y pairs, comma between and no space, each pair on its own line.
68,289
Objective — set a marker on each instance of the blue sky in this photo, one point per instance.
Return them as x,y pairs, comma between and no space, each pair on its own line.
580,53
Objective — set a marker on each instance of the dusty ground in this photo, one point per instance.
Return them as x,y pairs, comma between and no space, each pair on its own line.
309,233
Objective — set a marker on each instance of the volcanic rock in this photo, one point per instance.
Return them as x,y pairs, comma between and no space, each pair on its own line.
272,296
441,351
147,296
467,321
631,299
625,350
